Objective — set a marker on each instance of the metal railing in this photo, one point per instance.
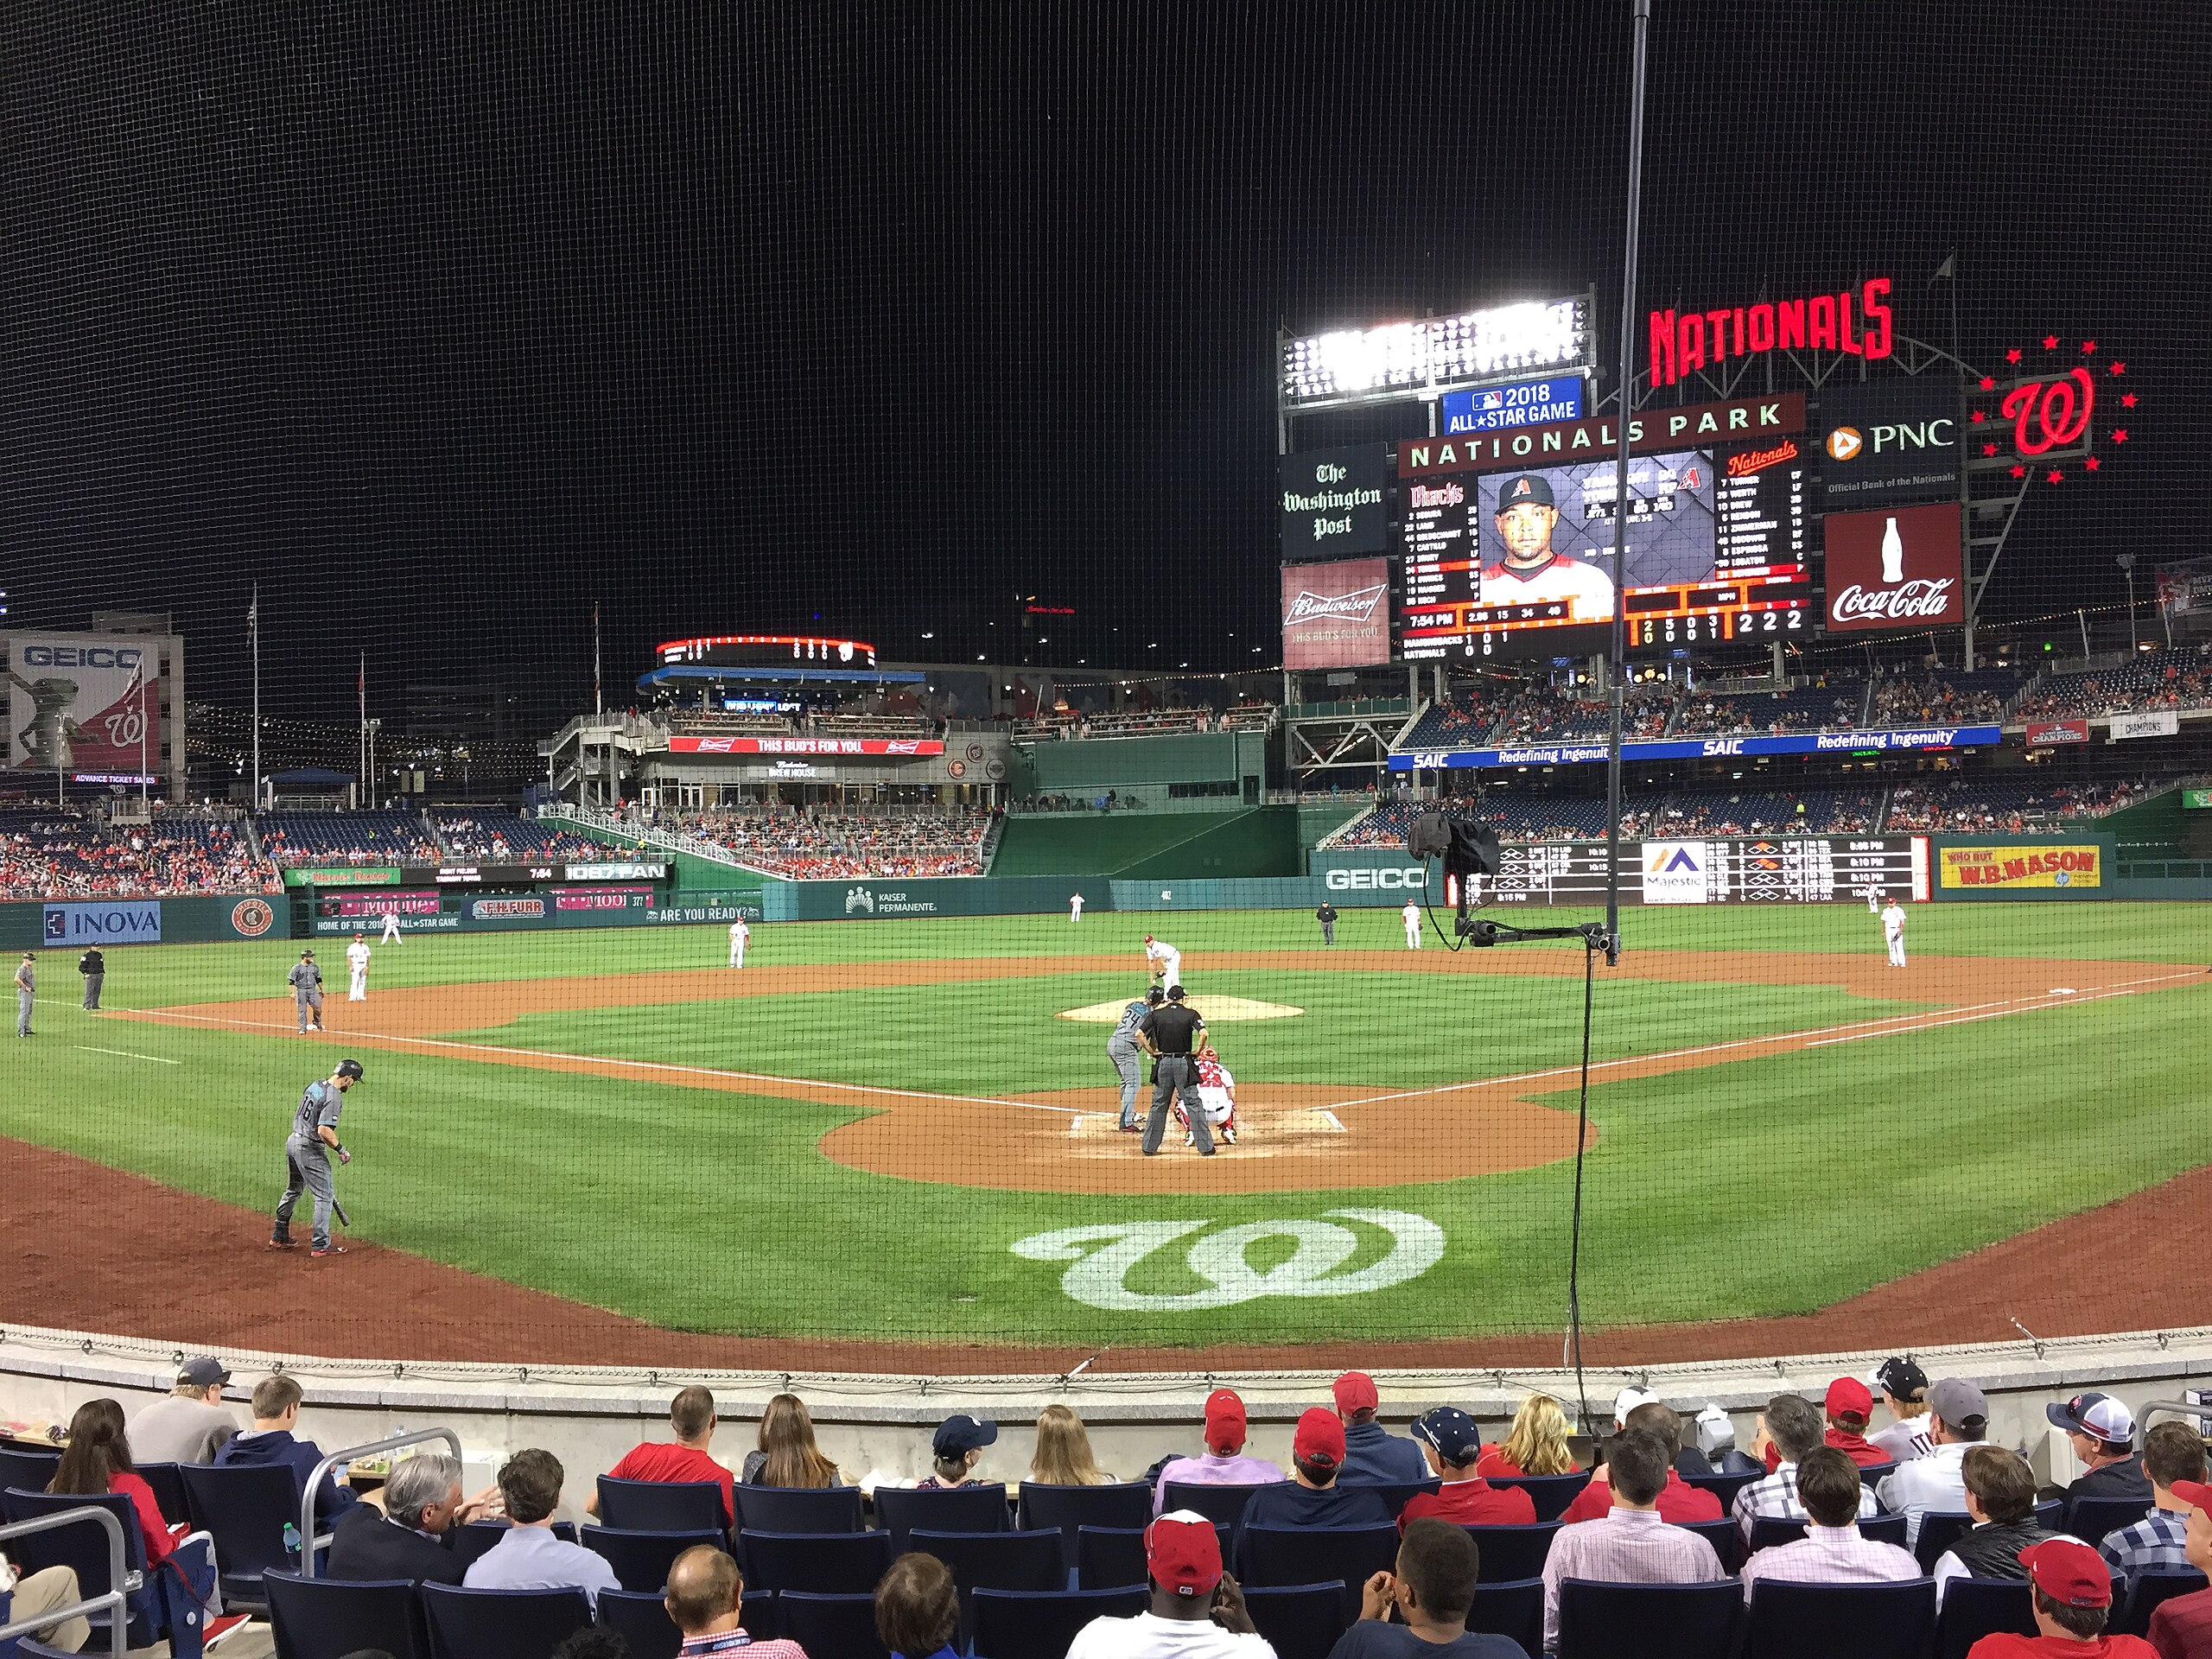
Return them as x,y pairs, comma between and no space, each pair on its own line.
113,1602
309,1542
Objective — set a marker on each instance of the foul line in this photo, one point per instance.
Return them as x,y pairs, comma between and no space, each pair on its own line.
125,1053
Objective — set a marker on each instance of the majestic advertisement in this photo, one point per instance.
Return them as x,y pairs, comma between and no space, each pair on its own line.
1335,615
891,746
1332,502
1500,408
1887,443
82,702
2015,866
1901,569
2050,734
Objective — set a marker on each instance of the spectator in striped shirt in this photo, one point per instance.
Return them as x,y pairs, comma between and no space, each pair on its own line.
1904,1391
1793,1428
1832,1551
1631,1544
2182,1627
2158,1543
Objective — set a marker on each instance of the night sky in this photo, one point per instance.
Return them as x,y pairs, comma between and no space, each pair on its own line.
441,322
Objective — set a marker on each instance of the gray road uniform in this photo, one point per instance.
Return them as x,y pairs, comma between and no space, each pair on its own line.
1129,1058
306,980
307,1160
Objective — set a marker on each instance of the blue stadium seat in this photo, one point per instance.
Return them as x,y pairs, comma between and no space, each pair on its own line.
1873,1474
1727,1543
1842,1621
244,1508
820,1563
1301,1621
1395,1494
30,1469
843,1626
1939,1530
1551,1494
1648,1621
2146,1593
2090,1519
1768,1530
996,1561
328,1618
1123,1505
1272,1557
641,1559
800,1509
1514,1609
501,1624
1973,1608
1039,1624
167,1483
1218,1504
1506,1554
1110,1558
83,1549
1884,1528
900,1509
661,1505
644,1622
1724,1487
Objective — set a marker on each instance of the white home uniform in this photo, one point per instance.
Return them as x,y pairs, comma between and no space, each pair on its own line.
1166,961
1412,913
357,971
1216,1096
1873,901
1590,588
391,928
1893,930
739,933
1074,907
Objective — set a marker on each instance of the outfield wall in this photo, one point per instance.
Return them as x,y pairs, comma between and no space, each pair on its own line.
77,924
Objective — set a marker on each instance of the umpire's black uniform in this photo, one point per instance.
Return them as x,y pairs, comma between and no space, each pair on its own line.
1172,1030
1327,917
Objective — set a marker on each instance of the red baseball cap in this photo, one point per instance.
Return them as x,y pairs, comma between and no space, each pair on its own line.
1321,1438
2195,1493
2069,1572
1182,1552
1355,1391
1848,1397
1225,1420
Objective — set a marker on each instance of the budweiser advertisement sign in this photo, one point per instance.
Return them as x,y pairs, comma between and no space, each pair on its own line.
1894,569
2044,733
896,745
1335,615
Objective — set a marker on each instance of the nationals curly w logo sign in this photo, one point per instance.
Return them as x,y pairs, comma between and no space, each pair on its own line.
1105,1255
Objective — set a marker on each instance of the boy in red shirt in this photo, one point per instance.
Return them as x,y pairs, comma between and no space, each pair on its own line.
1850,1408
691,1415
1679,1501
1451,1442
2073,1597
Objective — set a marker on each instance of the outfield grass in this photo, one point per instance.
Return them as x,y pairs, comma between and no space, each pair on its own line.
1736,1190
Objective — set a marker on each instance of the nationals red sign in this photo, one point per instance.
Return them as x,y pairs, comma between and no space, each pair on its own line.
1854,321
1335,615
2042,734
804,746
1896,570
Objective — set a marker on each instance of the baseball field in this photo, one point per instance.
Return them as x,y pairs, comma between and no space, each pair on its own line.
892,1143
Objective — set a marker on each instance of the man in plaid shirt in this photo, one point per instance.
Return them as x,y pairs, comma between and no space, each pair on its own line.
2172,1452
1832,1551
1794,1424
1631,1544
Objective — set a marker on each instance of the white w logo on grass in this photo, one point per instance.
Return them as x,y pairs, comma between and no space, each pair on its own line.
1104,1255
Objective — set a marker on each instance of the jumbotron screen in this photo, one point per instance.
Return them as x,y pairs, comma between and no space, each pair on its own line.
1521,564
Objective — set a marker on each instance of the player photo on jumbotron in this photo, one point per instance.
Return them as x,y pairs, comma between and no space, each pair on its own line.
1547,536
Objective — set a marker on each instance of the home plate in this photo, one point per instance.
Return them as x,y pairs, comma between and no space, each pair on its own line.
1260,1133
2062,990
1210,1008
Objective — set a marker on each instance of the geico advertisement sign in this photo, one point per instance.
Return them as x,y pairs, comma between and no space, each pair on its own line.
1342,880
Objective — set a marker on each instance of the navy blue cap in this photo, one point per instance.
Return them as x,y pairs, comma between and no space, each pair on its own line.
1451,1431
963,1434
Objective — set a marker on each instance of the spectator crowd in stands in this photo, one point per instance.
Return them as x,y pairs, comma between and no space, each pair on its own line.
2166,681
53,856
493,837
835,844
294,840
1984,806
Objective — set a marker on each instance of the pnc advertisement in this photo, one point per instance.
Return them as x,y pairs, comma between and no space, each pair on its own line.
2020,866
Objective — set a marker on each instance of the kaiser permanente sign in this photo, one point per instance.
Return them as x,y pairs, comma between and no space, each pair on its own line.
1700,748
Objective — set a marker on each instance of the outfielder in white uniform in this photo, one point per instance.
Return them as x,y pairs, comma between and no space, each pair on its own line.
1216,1096
739,933
357,969
1074,907
1165,961
1873,901
1893,930
391,928
1412,913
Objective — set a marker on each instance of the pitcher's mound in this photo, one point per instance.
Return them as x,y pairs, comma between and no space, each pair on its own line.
1210,1008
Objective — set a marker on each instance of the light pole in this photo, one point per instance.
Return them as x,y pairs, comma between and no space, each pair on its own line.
2126,562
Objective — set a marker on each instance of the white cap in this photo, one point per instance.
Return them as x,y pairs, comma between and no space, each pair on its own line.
1627,1401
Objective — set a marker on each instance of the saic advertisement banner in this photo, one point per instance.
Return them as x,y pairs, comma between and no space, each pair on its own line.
1335,615
1898,569
2015,866
82,702
1332,502
1887,443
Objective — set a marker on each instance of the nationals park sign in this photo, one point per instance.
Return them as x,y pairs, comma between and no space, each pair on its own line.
1650,431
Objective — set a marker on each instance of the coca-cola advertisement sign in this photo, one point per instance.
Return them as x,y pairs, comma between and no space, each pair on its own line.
1335,615
1894,569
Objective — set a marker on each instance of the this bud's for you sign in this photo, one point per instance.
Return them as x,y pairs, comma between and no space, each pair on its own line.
1899,569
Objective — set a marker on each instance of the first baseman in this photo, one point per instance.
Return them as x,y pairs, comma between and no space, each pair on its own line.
1165,961
26,993
391,927
357,969
307,1158
739,933
1122,1049
1893,930
306,981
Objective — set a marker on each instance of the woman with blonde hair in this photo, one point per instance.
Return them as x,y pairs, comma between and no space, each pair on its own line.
787,1455
1064,1456
1536,1444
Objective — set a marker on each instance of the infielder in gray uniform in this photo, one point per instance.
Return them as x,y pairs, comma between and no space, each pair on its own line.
307,1158
1129,1058
306,981
26,993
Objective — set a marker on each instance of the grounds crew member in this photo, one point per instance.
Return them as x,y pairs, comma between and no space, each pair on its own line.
307,1157
1327,917
306,981
1129,1059
93,966
26,993
1170,1034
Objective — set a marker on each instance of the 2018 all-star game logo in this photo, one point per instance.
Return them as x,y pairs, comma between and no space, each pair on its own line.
1355,606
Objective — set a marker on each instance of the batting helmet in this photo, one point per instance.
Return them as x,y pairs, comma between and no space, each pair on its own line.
348,1069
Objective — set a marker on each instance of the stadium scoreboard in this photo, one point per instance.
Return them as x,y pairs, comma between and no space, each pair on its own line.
1778,870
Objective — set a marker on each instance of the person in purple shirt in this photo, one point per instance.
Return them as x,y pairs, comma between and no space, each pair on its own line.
1223,1463
1312,1496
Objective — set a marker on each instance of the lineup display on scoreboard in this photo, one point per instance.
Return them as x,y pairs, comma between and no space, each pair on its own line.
1520,564
1780,869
